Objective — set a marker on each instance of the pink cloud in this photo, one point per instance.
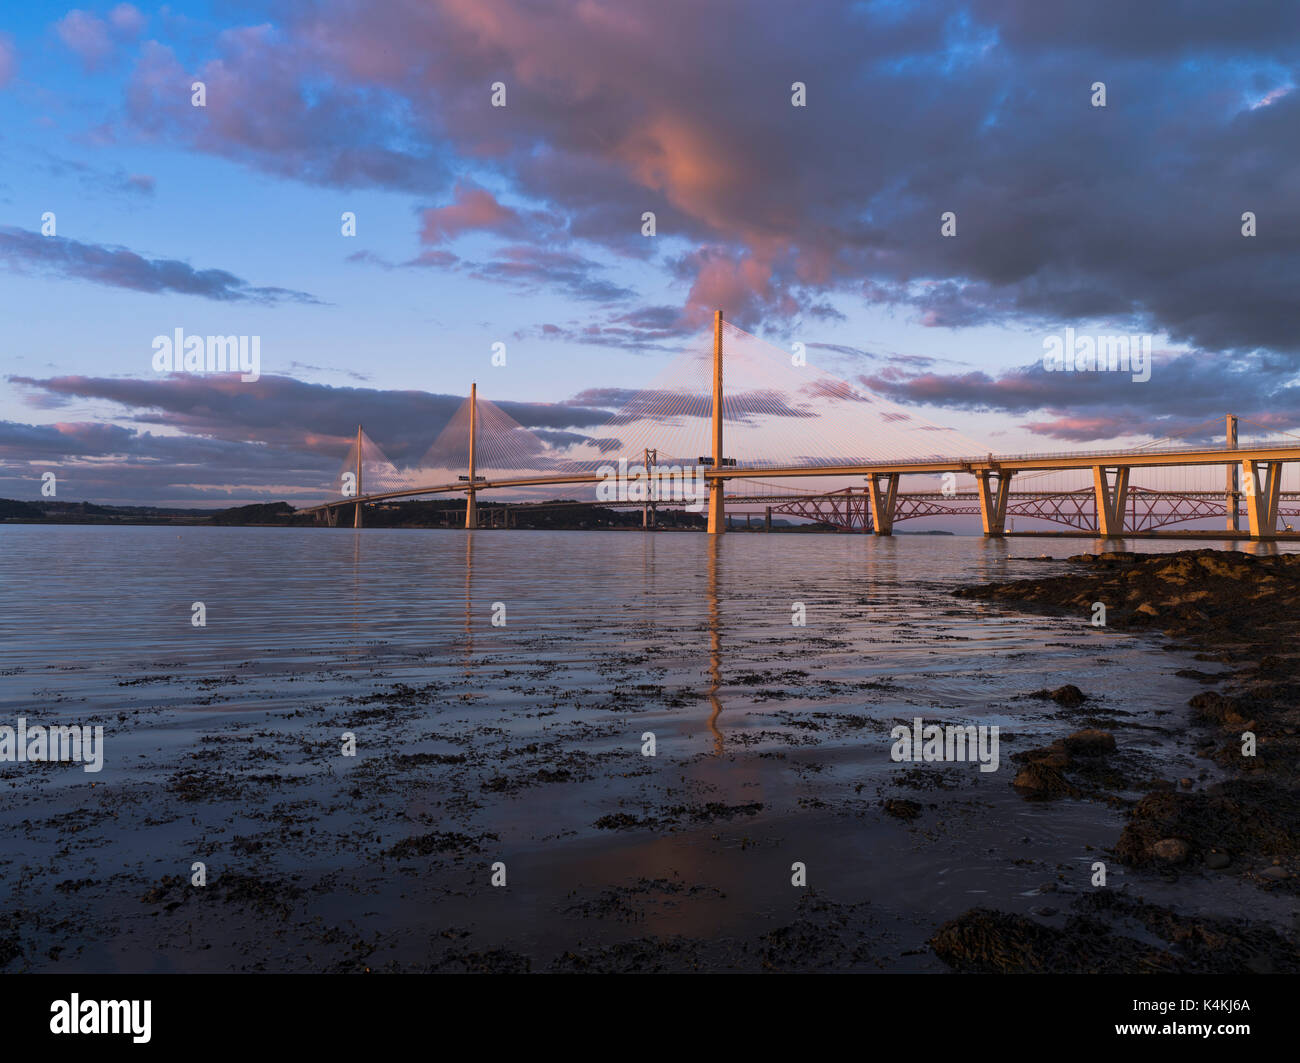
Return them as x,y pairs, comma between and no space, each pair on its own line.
86,35
127,20
683,108
8,59
472,208
94,39
259,111
1082,429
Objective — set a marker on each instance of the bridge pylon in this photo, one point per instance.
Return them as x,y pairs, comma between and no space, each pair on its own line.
1232,487
717,505
471,503
356,520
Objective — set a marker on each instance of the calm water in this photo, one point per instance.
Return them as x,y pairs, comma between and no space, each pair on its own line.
98,620
223,741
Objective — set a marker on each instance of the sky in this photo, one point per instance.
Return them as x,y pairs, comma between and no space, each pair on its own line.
799,162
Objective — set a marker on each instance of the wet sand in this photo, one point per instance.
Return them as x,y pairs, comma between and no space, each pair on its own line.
1228,609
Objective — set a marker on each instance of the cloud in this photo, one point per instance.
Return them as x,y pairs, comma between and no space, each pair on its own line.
118,267
1065,212
8,60
309,418
271,105
475,209
127,20
523,266
1185,391
1265,27
108,463
529,267
647,328
94,179
197,436
93,39
85,35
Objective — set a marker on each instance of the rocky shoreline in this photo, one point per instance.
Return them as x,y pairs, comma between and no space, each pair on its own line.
1242,613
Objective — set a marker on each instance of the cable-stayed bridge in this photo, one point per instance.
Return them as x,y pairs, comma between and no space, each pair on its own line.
797,441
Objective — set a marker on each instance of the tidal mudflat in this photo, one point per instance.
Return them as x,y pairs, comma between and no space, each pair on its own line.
517,751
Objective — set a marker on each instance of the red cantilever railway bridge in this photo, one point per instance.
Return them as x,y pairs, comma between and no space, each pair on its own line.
1110,508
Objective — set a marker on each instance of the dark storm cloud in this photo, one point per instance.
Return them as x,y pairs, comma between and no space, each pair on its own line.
1265,27
310,419
216,438
1184,391
111,464
981,107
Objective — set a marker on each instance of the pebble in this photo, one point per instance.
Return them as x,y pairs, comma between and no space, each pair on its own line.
1171,850
1216,860
1275,874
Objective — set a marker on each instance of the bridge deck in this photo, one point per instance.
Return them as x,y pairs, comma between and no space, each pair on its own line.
1164,458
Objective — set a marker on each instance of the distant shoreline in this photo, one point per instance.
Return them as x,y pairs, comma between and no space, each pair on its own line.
567,515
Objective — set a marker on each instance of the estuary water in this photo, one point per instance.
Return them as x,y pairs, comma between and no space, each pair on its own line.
501,688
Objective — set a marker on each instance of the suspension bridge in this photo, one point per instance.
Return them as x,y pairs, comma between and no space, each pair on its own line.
781,420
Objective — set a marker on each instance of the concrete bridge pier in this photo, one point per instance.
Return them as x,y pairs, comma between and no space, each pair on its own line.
883,501
993,500
1263,489
1111,501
